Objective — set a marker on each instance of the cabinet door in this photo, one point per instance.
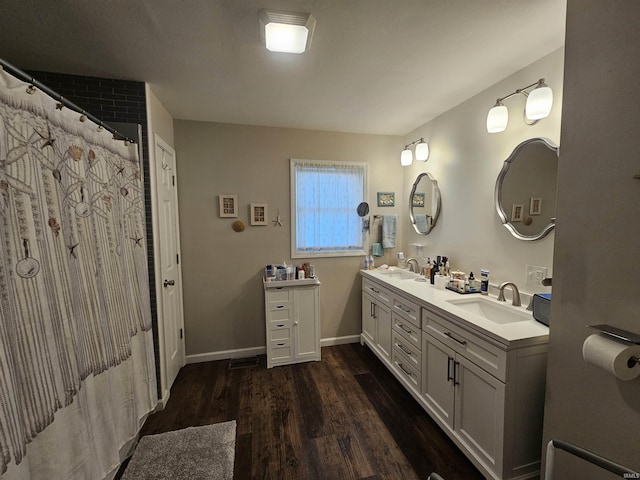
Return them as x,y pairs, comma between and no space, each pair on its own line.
479,412
306,323
369,324
383,318
438,387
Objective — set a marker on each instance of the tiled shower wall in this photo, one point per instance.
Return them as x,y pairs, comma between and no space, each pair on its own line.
115,101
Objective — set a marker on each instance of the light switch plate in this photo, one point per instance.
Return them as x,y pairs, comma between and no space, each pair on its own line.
535,275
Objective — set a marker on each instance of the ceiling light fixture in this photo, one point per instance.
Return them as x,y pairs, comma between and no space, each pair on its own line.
422,153
288,32
538,106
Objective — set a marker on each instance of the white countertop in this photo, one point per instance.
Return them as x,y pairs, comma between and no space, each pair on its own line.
290,283
516,333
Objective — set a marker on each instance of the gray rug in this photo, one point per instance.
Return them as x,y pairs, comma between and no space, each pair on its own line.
195,453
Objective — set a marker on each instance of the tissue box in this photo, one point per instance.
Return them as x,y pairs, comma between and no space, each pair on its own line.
542,307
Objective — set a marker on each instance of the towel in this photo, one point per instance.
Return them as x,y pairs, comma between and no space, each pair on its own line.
422,223
376,250
389,223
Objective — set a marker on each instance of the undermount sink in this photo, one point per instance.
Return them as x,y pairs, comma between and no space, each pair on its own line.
400,273
492,310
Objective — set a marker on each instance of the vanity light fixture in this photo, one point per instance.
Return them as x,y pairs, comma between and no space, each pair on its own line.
538,106
422,152
288,32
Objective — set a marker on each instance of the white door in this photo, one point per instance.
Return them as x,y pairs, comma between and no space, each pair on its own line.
170,317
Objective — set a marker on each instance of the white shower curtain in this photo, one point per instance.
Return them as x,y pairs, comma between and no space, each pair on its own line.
77,371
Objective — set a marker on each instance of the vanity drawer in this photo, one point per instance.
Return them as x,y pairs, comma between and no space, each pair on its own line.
406,329
379,293
407,310
280,350
408,349
279,331
486,355
278,296
404,367
279,313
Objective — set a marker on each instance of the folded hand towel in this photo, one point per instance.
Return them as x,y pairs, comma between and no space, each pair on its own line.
377,250
389,223
422,222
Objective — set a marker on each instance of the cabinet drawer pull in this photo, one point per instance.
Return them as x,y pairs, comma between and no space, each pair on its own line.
404,349
408,373
449,377
279,288
280,344
280,325
450,335
279,306
407,310
374,290
403,328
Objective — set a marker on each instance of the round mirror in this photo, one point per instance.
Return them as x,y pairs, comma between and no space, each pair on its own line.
363,209
424,203
525,193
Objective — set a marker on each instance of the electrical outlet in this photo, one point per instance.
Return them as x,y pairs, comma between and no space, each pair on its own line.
535,275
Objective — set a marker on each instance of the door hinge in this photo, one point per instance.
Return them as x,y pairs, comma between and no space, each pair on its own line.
177,258
180,333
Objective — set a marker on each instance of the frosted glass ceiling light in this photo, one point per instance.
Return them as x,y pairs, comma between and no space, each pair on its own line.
497,118
538,106
422,151
288,32
406,157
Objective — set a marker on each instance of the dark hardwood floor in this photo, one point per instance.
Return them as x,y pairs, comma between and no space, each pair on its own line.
345,417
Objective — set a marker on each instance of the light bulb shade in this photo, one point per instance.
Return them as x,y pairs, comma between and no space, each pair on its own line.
406,157
288,32
539,103
422,151
497,119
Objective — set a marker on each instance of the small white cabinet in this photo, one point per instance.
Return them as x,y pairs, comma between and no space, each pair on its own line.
292,311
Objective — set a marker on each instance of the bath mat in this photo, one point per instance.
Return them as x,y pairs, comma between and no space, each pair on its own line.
194,453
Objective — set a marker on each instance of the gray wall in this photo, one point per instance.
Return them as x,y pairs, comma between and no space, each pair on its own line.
222,270
597,257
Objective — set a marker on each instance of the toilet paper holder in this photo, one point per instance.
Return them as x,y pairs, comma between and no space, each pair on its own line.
619,334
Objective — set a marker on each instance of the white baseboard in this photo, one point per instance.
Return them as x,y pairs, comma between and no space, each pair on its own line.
251,351
328,342
226,354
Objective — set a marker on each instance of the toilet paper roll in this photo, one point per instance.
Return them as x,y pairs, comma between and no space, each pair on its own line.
612,356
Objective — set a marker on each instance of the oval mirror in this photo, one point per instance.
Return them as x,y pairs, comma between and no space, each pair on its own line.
525,193
363,209
424,203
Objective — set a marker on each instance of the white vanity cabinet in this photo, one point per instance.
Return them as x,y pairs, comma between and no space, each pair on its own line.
376,319
489,399
482,383
292,321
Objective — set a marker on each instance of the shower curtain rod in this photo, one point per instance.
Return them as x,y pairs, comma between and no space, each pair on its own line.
56,96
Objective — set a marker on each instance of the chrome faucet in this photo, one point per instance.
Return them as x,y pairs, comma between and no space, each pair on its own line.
410,262
516,294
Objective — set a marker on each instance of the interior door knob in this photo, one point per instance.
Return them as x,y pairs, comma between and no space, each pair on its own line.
168,283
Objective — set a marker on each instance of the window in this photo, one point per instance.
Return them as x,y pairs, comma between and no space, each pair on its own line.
324,199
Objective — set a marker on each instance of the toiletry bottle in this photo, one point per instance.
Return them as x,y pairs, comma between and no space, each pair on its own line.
366,263
484,282
372,263
427,269
300,273
434,271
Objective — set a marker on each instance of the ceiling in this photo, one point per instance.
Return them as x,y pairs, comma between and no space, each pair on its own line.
375,66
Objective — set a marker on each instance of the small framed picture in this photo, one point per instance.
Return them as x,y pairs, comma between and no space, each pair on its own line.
228,205
517,212
259,214
535,207
386,199
418,200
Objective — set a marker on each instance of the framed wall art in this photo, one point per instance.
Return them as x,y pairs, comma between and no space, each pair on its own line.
259,214
517,212
535,207
228,205
386,199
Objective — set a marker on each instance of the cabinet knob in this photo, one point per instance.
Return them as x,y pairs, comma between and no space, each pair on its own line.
295,323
